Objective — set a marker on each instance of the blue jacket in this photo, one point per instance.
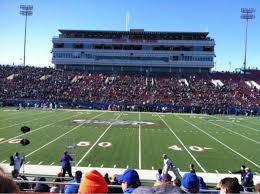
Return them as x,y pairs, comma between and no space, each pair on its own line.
72,188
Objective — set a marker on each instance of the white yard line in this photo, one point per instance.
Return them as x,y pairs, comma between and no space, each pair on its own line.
240,125
182,144
234,132
95,142
24,122
245,126
140,148
195,126
61,136
39,128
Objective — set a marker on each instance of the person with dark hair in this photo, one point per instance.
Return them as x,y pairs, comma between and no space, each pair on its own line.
74,188
8,185
192,169
114,181
56,188
242,171
229,185
65,164
159,175
129,180
41,187
17,176
107,179
18,161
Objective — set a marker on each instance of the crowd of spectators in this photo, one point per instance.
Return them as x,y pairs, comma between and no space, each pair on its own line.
127,182
18,82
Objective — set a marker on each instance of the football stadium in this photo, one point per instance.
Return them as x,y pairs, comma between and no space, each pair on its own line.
129,111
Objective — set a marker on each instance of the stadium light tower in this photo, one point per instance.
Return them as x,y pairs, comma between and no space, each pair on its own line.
25,10
247,14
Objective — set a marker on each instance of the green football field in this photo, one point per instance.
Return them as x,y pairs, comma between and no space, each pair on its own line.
138,140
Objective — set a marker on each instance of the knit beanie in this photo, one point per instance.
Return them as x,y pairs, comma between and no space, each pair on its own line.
93,182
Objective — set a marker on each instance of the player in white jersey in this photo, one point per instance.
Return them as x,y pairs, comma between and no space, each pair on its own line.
168,166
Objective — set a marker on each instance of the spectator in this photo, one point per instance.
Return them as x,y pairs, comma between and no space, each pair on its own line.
18,161
166,179
107,179
242,171
192,169
248,182
229,185
159,175
17,176
113,181
257,188
168,165
8,185
190,183
93,182
129,180
65,164
56,188
74,188
41,187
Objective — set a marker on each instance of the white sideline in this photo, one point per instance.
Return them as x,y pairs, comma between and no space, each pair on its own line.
219,142
96,142
24,122
140,148
183,144
234,132
47,170
37,129
60,136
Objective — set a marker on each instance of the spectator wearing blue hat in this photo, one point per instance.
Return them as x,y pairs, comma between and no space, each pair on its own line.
129,180
190,183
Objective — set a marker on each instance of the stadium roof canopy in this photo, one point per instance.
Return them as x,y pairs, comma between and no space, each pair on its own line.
135,33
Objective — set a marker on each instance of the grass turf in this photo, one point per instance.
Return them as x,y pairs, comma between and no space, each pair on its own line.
213,143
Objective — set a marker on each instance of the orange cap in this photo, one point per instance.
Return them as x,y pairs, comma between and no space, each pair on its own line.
93,182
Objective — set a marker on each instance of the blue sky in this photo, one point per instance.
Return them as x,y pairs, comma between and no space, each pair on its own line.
220,17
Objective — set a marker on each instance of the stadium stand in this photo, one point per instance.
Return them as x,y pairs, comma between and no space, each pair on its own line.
231,93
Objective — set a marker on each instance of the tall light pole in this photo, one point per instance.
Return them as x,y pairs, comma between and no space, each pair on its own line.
247,14
25,10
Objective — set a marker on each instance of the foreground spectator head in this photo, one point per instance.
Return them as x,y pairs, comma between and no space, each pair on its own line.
257,188
129,180
7,185
229,185
93,182
190,183
73,188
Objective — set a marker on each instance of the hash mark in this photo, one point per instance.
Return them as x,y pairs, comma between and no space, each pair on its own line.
114,166
52,163
216,171
28,162
3,161
229,172
102,165
40,163
89,165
